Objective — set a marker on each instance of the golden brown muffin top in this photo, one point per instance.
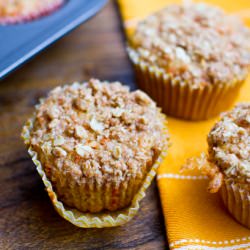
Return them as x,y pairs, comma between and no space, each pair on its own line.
12,11
195,43
229,144
98,130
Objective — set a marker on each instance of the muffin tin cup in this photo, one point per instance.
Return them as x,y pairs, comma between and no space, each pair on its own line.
102,219
237,201
26,35
179,99
46,10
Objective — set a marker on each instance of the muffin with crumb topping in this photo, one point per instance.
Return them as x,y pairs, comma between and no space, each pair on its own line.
16,11
228,161
96,142
191,58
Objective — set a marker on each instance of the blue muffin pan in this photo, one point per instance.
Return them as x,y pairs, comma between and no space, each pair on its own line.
20,42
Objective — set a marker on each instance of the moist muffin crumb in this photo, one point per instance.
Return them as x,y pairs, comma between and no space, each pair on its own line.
195,43
97,136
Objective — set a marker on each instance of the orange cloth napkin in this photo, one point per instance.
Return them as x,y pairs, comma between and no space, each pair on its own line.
194,218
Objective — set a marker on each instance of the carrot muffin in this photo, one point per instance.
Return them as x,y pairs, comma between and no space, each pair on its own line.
228,161
96,142
15,11
190,57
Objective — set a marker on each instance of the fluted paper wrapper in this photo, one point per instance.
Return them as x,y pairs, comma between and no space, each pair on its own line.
103,219
237,201
179,99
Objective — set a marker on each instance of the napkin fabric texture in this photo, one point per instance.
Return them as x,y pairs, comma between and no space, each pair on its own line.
194,218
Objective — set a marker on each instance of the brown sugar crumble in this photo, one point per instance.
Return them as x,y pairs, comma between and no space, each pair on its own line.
96,131
229,144
194,43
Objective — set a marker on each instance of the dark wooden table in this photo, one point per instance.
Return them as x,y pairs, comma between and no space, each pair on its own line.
27,219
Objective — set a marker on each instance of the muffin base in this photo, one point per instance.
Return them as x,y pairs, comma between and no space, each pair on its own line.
237,202
102,219
179,99
95,197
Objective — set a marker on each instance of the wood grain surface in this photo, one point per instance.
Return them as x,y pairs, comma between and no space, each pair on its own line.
27,218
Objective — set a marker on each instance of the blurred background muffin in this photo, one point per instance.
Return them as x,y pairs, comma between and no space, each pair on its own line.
192,59
16,11
96,142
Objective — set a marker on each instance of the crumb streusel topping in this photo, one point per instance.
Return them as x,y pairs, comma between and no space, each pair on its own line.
97,130
195,43
229,144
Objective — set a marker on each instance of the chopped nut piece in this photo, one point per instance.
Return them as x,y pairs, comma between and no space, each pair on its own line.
93,144
182,55
142,98
117,152
53,123
80,132
96,126
53,113
83,150
68,147
59,141
117,112
107,169
59,152
81,104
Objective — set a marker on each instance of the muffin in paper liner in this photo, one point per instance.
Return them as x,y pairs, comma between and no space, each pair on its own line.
237,201
227,163
178,98
186,58
94,220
